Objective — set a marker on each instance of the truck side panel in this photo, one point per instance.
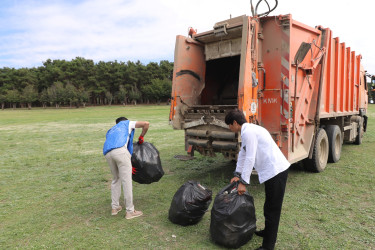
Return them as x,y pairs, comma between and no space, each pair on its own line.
274,87
304,89
343,84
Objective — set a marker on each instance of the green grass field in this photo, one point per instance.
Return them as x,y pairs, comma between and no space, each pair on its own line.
55,188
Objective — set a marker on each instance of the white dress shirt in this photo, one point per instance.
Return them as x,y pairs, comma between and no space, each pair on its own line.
259,151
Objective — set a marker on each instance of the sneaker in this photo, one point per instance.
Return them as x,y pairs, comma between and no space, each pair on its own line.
116,210
132,215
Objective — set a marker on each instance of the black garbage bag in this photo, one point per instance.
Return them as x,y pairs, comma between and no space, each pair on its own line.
146,163
189,203
233,220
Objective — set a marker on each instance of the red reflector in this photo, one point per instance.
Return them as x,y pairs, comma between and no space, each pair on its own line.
284,128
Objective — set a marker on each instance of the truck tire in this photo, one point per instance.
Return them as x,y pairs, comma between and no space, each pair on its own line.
320,153
358,139
335,142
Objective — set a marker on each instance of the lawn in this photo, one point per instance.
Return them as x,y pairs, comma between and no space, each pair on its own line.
55,188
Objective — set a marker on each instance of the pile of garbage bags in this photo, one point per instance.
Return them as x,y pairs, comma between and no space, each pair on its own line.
146,163
233,220
189,204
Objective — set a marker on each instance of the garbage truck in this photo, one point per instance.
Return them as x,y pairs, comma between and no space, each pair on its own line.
305,86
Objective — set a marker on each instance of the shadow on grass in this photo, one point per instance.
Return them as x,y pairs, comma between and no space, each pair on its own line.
296,168
214,172
216,168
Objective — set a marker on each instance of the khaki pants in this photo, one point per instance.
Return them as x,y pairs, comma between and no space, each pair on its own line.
119,161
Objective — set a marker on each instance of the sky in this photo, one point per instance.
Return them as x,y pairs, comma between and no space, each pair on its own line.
32,31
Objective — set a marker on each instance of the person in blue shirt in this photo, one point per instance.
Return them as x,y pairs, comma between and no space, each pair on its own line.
117,149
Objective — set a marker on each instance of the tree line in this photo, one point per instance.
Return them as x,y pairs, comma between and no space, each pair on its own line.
81,81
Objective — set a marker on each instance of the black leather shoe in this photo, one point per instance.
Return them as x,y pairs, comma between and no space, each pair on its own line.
266,247
259,233
262,248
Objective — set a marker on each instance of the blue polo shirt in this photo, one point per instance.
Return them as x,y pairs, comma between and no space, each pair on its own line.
118,136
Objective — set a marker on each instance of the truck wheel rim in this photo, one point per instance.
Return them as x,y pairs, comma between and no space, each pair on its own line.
323,152
337,144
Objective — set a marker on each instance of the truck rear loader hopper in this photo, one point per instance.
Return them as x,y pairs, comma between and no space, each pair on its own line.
303,85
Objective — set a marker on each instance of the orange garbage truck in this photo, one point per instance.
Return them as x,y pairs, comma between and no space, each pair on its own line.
305,86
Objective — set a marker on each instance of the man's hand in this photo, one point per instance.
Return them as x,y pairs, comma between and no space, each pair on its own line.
140,140
234,179
241,188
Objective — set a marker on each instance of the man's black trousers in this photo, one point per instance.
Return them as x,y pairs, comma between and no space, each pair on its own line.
274,189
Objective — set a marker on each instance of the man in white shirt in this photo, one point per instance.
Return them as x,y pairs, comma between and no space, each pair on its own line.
259,151
117,149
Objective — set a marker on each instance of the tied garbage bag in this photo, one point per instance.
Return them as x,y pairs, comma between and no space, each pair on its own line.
233,220
146,163
189,203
